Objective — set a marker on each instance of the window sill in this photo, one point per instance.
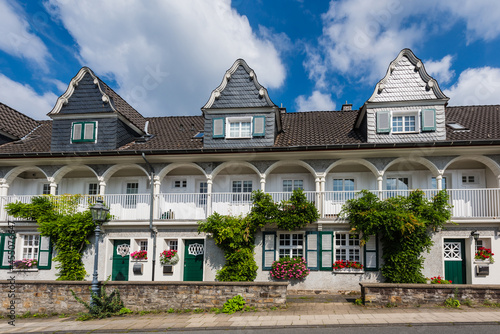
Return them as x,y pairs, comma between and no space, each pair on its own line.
349,271
482,262
138,260
23,270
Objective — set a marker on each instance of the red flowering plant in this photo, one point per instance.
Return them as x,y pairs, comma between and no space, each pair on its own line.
439,280
341,264
140,255
484,254
25,264
169,257
289,268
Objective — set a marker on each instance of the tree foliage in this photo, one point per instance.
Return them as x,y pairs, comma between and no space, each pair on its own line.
236,235
68,229
404,226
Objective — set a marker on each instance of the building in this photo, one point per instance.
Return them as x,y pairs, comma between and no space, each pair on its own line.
404,137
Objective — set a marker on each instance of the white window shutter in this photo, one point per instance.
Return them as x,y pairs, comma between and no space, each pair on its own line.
326,250
218,128
259,126
428,119
89,131
312,250
77,131
383,122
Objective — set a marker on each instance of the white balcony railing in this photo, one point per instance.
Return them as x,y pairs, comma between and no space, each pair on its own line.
467,203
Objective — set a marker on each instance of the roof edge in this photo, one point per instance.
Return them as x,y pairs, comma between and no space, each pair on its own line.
216,92
64,98
431,83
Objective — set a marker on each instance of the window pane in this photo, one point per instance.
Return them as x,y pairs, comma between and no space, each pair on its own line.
236,186
338,184
409,123
287,185
391,184
234,129
298,184
403,183
349,184
397,124
246,129
92,189
46,189
247,186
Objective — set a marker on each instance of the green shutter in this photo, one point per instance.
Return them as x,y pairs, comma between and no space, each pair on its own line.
371,254
326,250
83,132
44,253
428,119
383,121
259,126
7,248
312,247
268,250
218,127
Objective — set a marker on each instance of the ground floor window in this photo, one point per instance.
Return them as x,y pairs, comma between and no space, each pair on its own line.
291,245
347,247
30,246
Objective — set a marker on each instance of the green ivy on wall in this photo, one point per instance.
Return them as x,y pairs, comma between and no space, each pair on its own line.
68,229
404,226
236,235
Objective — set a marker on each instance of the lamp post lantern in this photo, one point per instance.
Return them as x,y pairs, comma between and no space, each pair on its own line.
99,216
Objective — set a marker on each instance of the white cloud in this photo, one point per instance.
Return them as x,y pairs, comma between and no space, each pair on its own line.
440,69
24,99
317,101
476,86
17,40
361,37
167,56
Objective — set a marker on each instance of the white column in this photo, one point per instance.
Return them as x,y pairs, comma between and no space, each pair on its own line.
380,182
263,182
4,190
156,196
102,186
439,182
53,185
317,180
209,195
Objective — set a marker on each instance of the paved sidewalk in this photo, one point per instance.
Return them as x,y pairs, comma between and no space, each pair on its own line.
299,314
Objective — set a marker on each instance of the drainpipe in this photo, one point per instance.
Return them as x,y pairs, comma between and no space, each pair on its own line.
153,231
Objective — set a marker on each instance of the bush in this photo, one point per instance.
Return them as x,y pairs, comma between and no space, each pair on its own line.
439,280
237,303
103,306
289,268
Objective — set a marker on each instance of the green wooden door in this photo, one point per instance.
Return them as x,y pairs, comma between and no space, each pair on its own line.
120,262
193,260
454,260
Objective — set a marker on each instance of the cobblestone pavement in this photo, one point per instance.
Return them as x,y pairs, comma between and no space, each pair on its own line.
302,311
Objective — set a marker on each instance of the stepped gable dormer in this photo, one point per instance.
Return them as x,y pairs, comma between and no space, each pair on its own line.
240,113
14,125
407,105
90,116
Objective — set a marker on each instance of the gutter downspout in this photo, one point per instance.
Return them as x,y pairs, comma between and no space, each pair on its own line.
151,203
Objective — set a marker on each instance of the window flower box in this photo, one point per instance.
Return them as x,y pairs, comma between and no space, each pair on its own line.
25,264
288,268
169,257
484,255
347,267
140,255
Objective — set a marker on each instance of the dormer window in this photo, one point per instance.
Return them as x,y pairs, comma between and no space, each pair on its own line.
83,132
239,127
404,123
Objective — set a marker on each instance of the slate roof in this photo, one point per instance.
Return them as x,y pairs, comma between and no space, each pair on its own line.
15,123
302,130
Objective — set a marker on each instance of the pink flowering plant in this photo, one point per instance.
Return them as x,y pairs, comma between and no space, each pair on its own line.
140,255
25,264
289,268
169,257
342,264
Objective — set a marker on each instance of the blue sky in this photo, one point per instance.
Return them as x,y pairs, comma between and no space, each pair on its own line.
165,57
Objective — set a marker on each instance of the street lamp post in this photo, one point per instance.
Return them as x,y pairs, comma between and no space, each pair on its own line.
99,216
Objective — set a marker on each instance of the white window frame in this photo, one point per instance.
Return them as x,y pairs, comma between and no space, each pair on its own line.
351,248
240,120
87,188
36,248
182,184
172,244
299,250
142,244
405,114
131,201
241,196
397,177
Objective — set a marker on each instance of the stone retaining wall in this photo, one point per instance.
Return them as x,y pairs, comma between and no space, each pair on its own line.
55,296
417,294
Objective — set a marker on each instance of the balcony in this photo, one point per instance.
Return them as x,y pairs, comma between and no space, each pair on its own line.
467,203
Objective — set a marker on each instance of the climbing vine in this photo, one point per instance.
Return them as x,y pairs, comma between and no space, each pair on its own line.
236,235
68,229
404,226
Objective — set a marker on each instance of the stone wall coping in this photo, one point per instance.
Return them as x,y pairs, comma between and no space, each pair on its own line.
430,286
205,283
